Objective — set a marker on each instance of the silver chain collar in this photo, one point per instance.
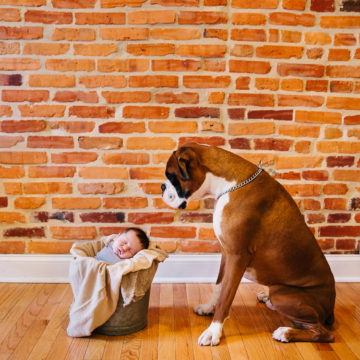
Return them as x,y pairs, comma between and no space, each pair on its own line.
245,182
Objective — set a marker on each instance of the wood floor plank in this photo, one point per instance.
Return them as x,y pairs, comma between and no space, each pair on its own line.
58,320
183,340
96,347
78,348
166,347
196,294
25,321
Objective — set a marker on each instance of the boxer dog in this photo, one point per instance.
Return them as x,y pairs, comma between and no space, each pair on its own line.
263,237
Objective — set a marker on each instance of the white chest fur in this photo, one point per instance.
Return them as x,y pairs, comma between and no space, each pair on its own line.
215,185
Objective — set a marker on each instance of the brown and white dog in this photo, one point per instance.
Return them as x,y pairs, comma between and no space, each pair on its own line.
263,238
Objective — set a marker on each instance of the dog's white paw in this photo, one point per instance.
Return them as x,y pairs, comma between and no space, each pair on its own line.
211,336
282,334
204,309
262,297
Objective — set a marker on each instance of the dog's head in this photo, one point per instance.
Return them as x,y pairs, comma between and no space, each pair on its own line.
185,175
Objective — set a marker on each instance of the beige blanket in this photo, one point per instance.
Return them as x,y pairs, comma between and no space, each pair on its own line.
96,284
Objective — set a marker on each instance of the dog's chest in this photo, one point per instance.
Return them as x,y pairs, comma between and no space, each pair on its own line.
218,216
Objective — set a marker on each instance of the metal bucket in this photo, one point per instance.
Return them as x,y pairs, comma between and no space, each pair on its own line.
128,319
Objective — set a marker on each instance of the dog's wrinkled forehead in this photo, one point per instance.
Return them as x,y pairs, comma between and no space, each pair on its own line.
173,173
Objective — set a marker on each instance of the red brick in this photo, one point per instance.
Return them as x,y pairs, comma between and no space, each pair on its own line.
239,143
73,4
317,85
51,80
315,175
143,173
248,35
202,17
206,140
123,127
173,231
341,86
146,112
126,65
21,126
74,157
22,157
103,172
315,53
71,34
66,65
76,233
76,203
29,202
73,126
344,39
100,81
15,64
151,17
173,126
166,143
49,247
256,67
94,49
53,142
343,71
339,218
71,96
116,3
150,49
156,81
299,162
273,144
105,143
10,141
317,117
104,112
36,232
12,188
215,65
8,14
200,81
12,172
205,246
339,21
251,99
116,97
101,188
96,18
9,48
294,19
291,36
12,247
267,84
125,34
294,4
255,4
45,49
125,203
175,65
103,217
197,112
339,231
335,189
151,218
175,34
347,103
48,17
306,70
242,50
279,52
205,51
47,188
176,2
300,100
51,171
220,34
10,217
317,38
21,33
126,158
248,19
151,188
177,98
25,95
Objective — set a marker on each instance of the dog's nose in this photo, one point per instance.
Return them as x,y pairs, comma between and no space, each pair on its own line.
163,187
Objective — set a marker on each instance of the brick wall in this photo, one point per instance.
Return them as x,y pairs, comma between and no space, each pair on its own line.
96,94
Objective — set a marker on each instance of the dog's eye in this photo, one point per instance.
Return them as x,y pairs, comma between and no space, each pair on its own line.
171,196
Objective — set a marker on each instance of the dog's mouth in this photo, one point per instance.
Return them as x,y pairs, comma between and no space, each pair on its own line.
171,197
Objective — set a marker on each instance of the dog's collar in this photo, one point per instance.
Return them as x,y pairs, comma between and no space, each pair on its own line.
245,182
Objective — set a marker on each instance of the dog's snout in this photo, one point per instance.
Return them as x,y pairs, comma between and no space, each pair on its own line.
163,187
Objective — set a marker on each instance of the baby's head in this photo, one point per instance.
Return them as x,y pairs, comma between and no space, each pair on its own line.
129,242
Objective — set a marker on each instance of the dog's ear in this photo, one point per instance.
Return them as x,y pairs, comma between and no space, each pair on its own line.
184,161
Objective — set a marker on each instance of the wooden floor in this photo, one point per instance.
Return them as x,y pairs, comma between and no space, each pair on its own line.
34,317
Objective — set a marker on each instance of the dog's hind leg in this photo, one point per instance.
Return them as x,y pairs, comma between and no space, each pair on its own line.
304,312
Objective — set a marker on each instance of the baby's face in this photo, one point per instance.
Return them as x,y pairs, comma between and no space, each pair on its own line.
126,244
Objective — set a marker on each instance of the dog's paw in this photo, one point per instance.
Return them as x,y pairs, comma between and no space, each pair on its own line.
211,336
262,297
204,309
282,334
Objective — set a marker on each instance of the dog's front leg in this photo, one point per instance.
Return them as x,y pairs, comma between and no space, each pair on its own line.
209,308
234,270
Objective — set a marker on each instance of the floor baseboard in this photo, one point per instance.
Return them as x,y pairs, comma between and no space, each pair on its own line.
175,269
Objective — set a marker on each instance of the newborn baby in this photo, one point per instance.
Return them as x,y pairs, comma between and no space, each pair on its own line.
124,246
